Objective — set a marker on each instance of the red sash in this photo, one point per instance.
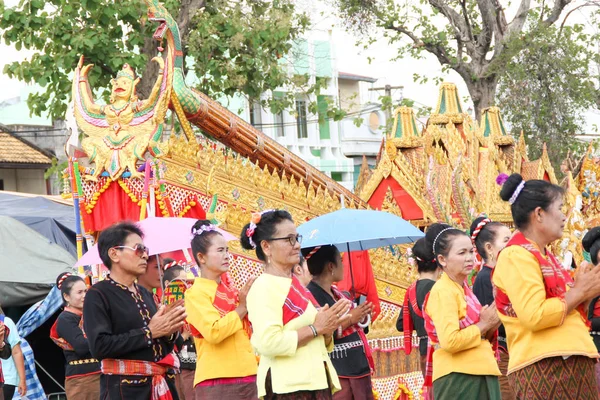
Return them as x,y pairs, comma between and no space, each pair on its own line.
355,328
407,322
160,389
60,342
297,301
226,301
556,278
471,317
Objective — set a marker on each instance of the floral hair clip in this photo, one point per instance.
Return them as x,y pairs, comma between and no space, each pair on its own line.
500,179
202,229
254,221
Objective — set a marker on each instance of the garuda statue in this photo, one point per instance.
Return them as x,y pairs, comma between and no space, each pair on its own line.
117,135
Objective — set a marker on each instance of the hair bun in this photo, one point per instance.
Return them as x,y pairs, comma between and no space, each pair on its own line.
590,238
199,224
509,187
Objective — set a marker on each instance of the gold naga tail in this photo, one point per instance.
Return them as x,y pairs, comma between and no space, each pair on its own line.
214,119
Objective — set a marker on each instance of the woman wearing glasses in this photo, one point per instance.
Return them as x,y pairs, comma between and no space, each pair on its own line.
290,335
225,363
83,371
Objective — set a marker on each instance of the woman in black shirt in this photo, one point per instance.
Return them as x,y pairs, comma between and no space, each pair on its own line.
351,354
82,376
411,316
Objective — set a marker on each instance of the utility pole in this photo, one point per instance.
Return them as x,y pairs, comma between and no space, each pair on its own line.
388,92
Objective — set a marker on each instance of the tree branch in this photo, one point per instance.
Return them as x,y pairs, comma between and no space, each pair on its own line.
516,25
188,9
457,22
559,6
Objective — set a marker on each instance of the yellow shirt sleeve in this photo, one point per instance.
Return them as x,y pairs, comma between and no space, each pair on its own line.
443,309
266,315
207,320
518,274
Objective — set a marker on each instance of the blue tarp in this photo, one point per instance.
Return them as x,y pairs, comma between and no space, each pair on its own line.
50,219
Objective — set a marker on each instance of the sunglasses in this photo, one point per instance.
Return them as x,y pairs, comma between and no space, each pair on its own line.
292,239
139,249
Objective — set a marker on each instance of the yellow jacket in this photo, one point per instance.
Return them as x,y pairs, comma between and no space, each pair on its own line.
292,368
225,350
459,350
542,329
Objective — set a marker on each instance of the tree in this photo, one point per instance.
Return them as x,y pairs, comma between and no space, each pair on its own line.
469,37
549,80
236,47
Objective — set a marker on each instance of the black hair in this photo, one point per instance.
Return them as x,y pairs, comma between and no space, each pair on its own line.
591,243
318,260
66,285
302,259
172,272
536,193
264,230
487,234
116,235
439,238
424,256
202,241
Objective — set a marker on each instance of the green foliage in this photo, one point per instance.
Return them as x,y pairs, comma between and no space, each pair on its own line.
56,169
237,47
548,83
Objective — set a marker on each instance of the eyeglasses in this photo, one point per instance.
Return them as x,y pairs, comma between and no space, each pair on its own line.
292,239
139,249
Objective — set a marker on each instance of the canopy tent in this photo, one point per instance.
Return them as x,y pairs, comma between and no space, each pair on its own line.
53,220
30,263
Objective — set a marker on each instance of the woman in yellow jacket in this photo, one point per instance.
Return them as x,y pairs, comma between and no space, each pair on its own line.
552,355
225,362
289,333
462,333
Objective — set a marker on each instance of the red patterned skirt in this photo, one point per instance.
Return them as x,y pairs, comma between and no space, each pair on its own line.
557,379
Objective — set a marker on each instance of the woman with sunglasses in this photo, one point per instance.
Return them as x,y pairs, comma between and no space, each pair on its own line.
290,335
225,363
351,354
544,311
82,376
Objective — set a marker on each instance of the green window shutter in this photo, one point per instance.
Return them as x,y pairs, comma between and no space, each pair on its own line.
300,57
323,58
323,121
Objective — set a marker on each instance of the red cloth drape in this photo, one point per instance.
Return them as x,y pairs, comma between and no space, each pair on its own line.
364,281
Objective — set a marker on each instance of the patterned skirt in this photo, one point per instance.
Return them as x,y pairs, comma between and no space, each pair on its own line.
557,379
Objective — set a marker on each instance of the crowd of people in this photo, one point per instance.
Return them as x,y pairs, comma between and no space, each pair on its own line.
526,329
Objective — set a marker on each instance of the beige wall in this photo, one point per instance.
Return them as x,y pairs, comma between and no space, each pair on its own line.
349,95
23,180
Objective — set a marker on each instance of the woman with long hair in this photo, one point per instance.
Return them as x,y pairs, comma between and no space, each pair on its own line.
411,315
290,335
225,362
351,354
462,333
489,238
82,375
552,355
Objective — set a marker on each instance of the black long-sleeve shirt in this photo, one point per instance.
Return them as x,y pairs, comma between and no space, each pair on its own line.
116,323
595,322
483,290
79,360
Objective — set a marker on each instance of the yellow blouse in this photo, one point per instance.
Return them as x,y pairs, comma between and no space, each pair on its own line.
459,350
542,329
292,368
225,350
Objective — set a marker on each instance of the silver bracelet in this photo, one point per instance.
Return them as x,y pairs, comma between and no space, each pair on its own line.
314,330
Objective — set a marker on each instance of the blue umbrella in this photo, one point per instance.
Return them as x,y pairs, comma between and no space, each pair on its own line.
355,230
